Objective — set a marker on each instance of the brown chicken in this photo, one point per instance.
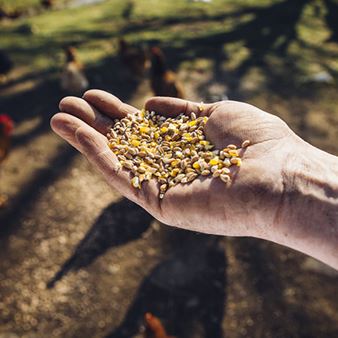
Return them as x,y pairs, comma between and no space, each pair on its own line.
163,81
134,58
73,79
154,327
6,128
47,4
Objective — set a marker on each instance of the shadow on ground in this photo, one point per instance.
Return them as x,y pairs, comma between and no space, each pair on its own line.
186,290
118,224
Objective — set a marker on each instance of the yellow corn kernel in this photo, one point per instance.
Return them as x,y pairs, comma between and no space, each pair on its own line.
236,160
196,165
174,172
163,130
205,143
175,163
192,123
144,130
156,135
135,143
187,136
214,161
233,152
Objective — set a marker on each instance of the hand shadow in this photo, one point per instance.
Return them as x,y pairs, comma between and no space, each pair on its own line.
118,224
186,291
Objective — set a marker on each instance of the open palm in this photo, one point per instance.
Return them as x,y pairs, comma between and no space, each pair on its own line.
248,205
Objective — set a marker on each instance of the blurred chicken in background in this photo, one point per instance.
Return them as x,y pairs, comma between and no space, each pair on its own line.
6,128
6,65
163,81
73,79
128,10
47,4
10,15
133,57
154,328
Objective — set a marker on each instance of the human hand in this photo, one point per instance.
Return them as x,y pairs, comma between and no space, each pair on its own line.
248,206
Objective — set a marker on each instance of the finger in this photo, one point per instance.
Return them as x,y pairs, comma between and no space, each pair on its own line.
65,125
84,111
171,106
108,103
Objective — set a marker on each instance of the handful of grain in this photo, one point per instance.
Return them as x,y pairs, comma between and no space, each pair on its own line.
171,150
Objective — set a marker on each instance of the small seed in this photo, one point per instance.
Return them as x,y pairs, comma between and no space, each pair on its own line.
191,177
205,172
135,182
246,143
217,173
225,178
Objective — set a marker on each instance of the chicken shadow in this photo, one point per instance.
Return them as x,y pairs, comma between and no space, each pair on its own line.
118,224
186,291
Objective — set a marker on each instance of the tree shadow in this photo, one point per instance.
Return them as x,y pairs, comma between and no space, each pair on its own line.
186,290
119,223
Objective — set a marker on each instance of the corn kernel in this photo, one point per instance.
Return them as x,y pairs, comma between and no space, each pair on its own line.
144,130
175,163
214,161
233,153
174,172
156,135
187,136
196,165
135,143
192,123
163,130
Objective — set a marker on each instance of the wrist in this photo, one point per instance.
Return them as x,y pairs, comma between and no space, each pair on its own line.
309,208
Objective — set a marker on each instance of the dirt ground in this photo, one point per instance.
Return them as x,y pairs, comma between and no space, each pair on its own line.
78,260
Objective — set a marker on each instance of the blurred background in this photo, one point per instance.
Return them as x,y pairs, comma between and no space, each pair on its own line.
78,260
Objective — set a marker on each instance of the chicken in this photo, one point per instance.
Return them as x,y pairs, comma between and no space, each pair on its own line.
154,327
73,79
134,58
163,81
6,65
10,15
6,128
47,4
128,10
